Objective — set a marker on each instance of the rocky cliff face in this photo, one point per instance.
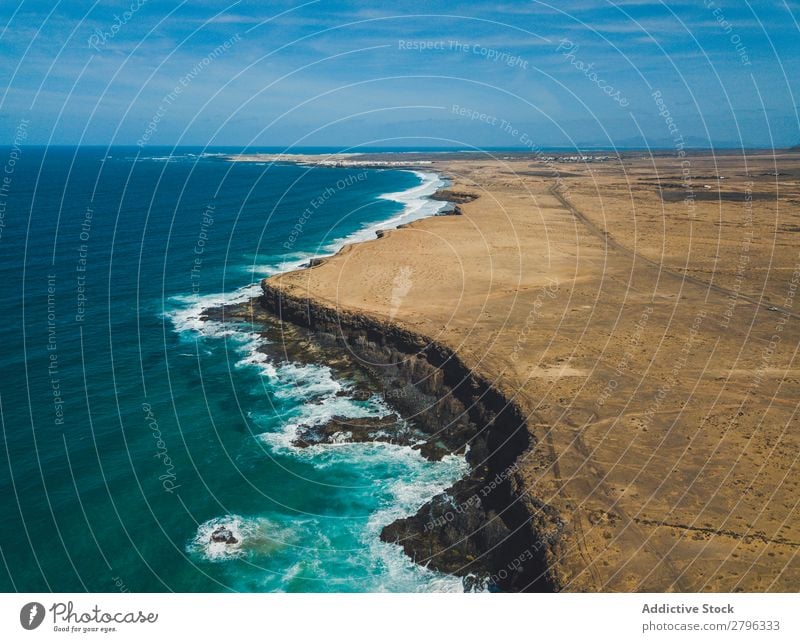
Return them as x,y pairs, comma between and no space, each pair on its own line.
480,529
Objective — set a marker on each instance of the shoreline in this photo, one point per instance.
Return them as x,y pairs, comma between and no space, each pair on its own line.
646,397
431,198
191,318
489,532
417,196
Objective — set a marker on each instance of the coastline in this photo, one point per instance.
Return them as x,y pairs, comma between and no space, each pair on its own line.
547,313
429,199
190,315
489,532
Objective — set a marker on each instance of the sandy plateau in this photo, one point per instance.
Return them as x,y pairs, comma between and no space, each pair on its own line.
647,328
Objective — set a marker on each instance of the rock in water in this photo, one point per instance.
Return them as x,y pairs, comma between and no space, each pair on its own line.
362,429
224,535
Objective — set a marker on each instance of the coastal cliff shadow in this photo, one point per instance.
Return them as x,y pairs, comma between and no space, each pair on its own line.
479,529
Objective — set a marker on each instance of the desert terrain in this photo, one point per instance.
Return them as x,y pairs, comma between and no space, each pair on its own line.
640,312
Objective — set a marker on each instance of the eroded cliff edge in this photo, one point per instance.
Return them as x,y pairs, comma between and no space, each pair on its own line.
484,528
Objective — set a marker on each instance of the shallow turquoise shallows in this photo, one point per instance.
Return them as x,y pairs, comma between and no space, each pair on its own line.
132,428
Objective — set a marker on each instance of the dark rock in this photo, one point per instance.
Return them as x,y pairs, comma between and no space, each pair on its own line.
450,210
453,197
360,391
495,541
222,534
362,429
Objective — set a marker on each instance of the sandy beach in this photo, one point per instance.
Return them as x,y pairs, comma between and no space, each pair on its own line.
639,314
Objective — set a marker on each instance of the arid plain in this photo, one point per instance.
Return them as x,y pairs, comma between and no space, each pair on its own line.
640,312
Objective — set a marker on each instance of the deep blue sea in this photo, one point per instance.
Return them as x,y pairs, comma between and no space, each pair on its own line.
131,428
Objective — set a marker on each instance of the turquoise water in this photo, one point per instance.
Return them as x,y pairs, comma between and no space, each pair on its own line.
132,428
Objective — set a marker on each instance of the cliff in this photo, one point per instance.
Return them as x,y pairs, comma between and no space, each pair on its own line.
479,528
635,414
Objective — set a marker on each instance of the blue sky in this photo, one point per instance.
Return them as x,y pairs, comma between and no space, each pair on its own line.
513,74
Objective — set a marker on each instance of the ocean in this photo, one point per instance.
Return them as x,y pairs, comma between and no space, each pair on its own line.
133,427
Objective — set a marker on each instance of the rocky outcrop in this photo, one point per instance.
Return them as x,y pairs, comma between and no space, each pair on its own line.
453,197
223,535
355,430
478,529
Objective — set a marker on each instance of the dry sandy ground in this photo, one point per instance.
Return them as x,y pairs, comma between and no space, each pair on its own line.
650,341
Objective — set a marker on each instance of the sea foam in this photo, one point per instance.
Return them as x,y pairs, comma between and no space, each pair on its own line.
319,398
